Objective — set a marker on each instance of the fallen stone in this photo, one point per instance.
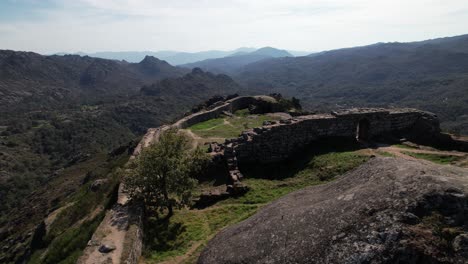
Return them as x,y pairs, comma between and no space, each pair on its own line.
460,243
97,184
106,248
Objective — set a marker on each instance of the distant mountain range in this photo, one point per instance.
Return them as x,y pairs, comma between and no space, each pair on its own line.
173,57
430,75
234,62
60,111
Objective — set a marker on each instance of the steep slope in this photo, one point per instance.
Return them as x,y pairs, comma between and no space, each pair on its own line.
65,121
231,64
431,75
386,211
30,80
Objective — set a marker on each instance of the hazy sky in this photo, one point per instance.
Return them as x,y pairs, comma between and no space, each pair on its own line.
49,26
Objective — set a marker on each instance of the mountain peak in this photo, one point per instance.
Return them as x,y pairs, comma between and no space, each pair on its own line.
150,59
272,52
197,70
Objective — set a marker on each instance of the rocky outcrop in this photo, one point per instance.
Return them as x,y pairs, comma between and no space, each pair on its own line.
386,211
121,228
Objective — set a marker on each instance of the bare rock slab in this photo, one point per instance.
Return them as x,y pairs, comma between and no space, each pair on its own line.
388,210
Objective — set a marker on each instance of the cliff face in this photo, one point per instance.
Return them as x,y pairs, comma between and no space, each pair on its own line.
387,211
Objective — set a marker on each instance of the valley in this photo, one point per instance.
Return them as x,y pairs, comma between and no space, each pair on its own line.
70,124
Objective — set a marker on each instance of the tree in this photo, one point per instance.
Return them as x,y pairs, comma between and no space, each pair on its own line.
296,103
163,174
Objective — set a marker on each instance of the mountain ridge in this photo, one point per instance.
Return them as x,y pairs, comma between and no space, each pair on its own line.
173,57
233,63
28,77
431,75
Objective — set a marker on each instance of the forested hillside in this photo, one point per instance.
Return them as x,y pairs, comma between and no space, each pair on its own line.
63,117
430,75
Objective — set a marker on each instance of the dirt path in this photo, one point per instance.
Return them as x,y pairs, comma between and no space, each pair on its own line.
400,152
378,151
199,141
280,115
226,122
423,151
112,231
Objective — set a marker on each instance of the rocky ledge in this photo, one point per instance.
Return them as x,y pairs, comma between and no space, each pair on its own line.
386,211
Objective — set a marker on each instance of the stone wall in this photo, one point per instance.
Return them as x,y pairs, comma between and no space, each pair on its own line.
122,229
231,105
278,141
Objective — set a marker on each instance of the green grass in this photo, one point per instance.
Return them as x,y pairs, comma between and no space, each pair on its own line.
242,113
191,229
69,246
386,154
240,121
186,228
209,124
66,239
436,158
403,146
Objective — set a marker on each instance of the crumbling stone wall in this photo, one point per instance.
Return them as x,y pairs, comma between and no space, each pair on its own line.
278,141
273,142
122,227
231,105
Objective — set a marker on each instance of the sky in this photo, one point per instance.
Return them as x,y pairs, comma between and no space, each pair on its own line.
49,26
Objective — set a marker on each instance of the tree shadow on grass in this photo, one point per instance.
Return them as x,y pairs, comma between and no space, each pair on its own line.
162,234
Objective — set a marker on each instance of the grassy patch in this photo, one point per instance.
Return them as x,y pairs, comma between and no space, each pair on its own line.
69,246
75,224
186,233
190,228
209,124
436,158
404,146
230,127
242,113
437,224
386,154
296,175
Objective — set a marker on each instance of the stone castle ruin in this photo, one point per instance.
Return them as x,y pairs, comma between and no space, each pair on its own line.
277,141
274,141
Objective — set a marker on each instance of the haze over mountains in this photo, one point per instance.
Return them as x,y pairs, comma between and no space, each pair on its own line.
61,111
430,74
232,63
66,92
175,57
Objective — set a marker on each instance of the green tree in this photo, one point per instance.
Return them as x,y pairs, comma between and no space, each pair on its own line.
163,174
296,103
